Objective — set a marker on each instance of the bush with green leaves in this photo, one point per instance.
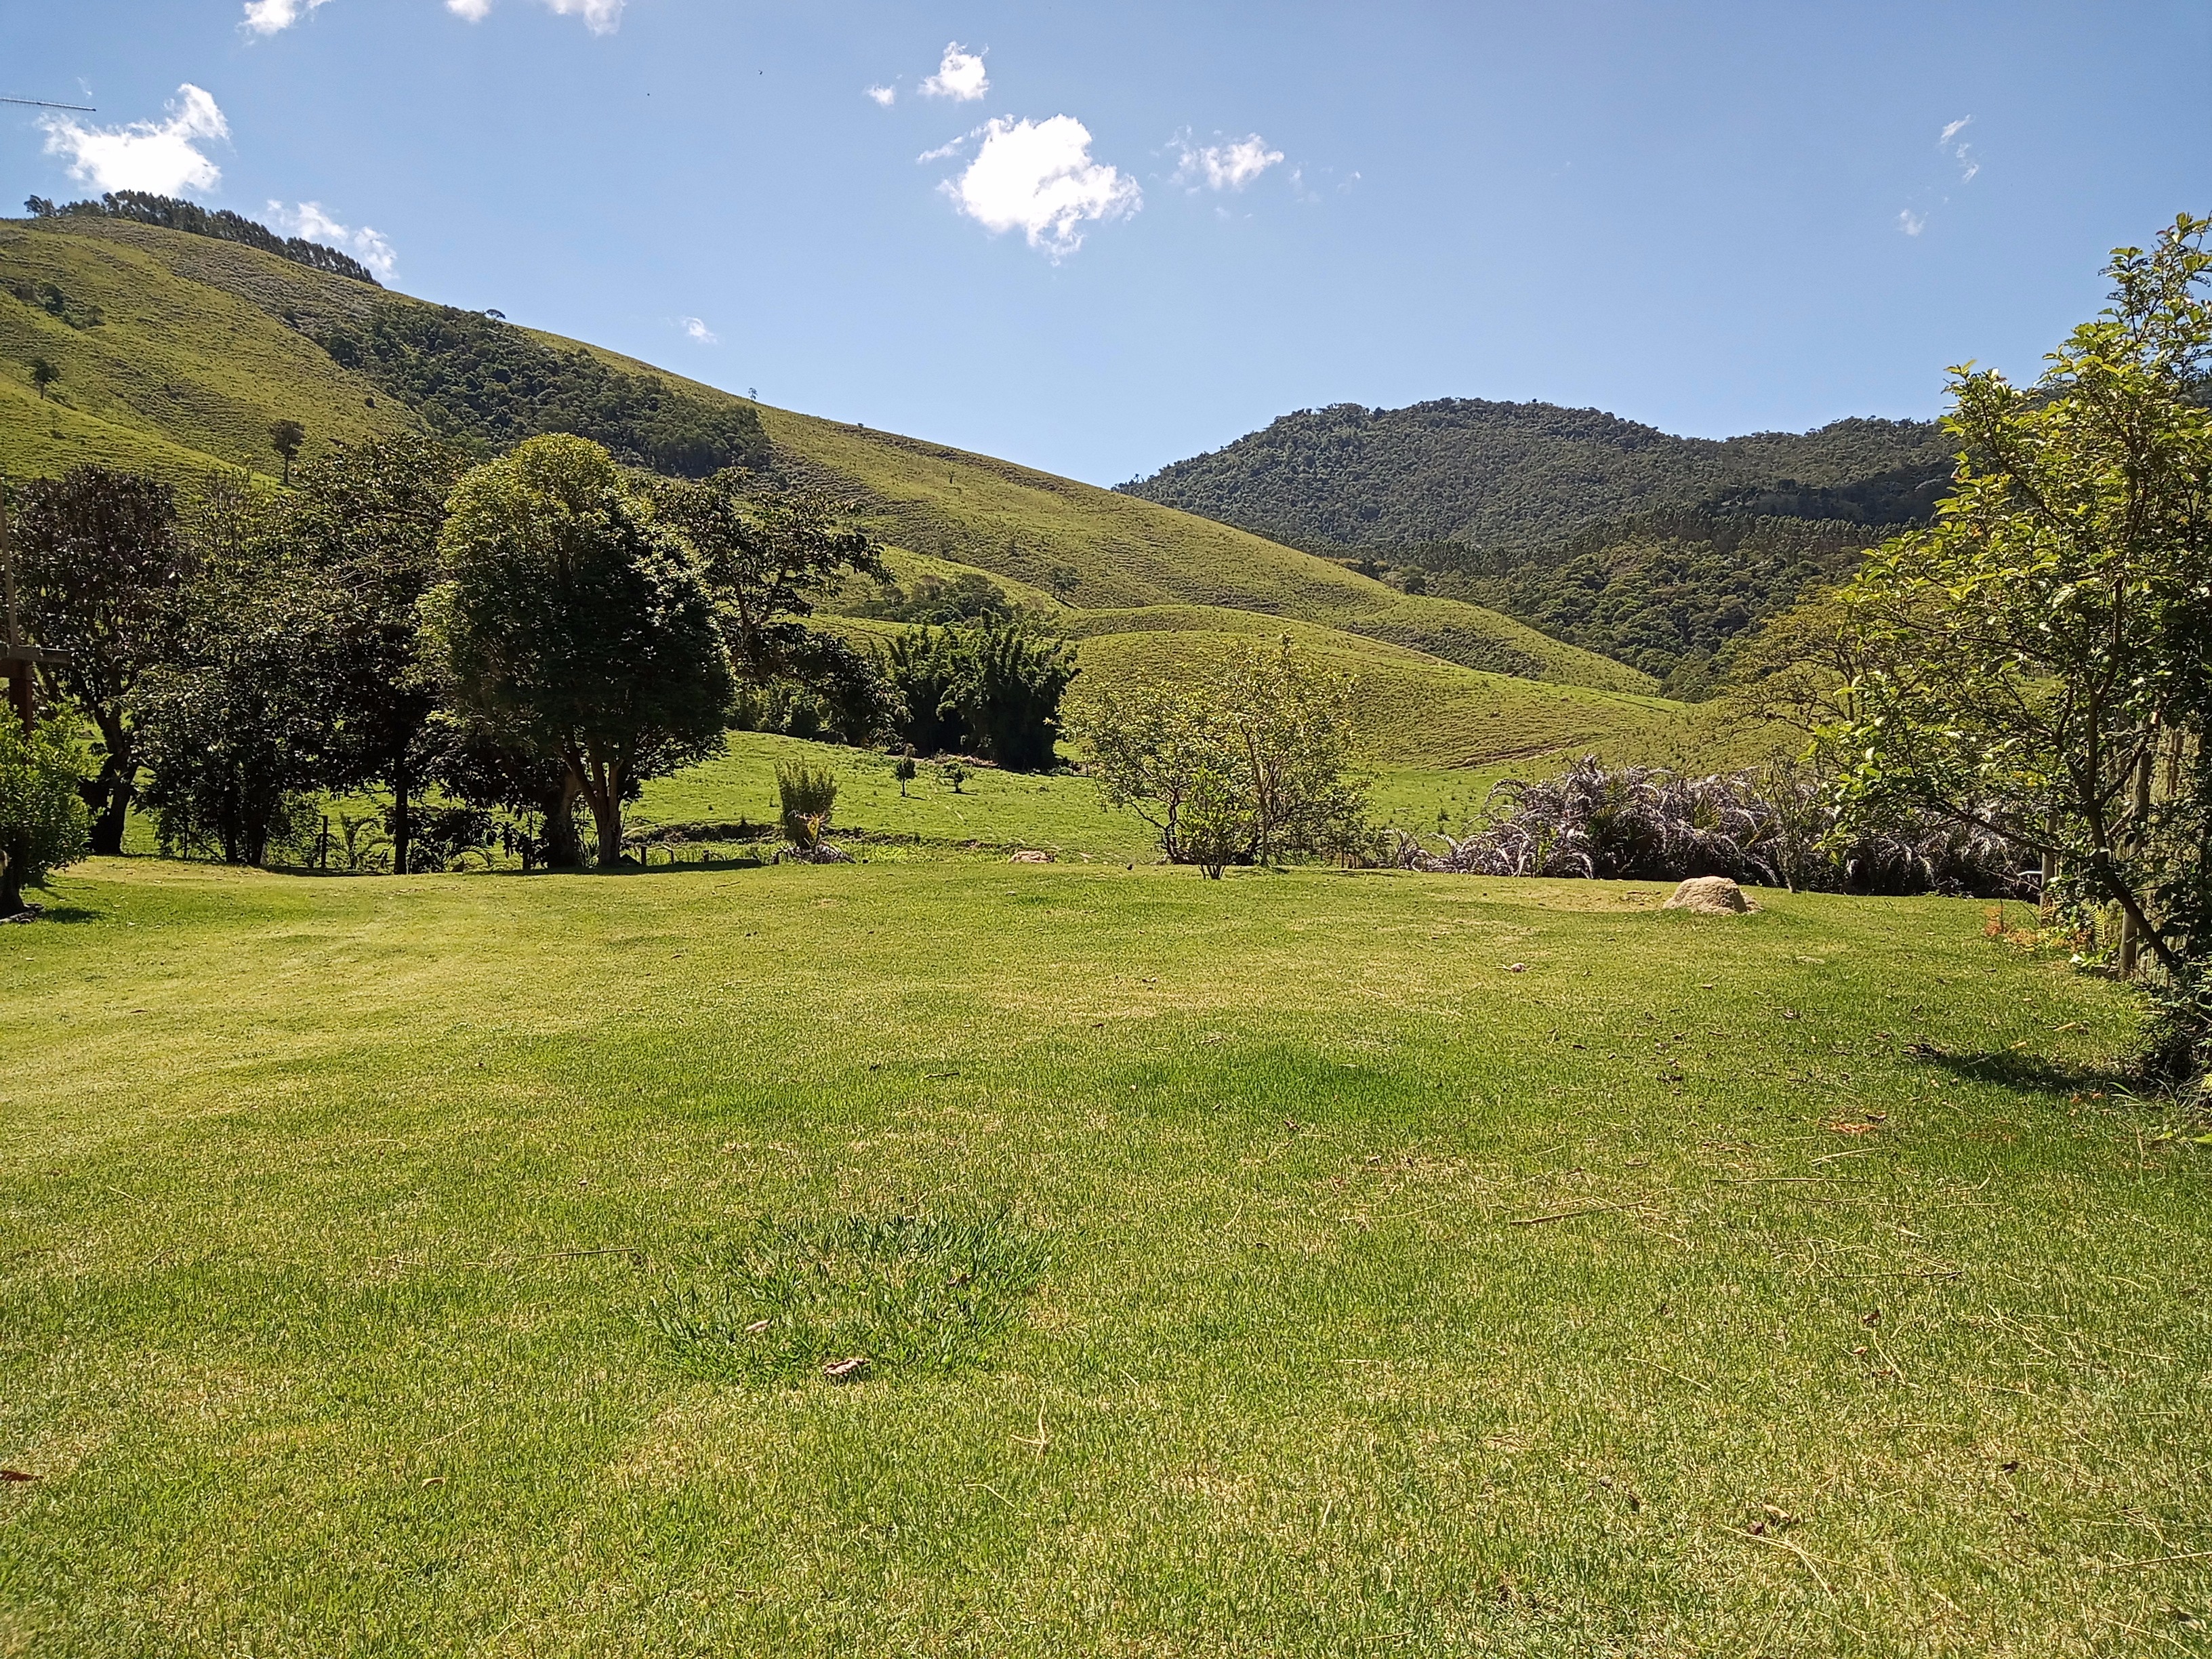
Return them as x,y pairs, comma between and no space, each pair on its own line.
1249,767
43,821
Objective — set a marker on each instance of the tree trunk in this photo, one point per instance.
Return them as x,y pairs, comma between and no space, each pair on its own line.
606,812
402,825
107,823
563,851
11,881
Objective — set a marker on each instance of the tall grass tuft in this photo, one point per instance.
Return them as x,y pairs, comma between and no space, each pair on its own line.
1771,826
903,1294
805,798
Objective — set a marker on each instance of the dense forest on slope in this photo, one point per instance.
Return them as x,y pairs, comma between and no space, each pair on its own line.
481,380
1519,478
1664,591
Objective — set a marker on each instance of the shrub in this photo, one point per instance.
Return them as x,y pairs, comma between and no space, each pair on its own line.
807,796
42,823
1255,764
1775,826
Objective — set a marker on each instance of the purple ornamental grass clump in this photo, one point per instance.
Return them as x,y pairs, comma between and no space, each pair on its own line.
1769,827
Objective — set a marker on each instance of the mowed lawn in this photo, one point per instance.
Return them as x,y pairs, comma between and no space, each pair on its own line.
445,1266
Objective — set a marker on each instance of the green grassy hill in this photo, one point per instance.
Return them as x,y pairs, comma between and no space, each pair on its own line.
175,354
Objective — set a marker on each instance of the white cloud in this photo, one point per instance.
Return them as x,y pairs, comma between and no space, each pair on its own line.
885,96
600,16
1909,222
1226,167
160,156
369,245
951,147
1960,152
272,16
1038,177
960,76
698,331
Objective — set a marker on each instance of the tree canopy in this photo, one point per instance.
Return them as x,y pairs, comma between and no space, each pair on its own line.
2040,662
572,624
103,570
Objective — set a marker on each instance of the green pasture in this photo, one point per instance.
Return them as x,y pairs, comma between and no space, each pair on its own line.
1306,1263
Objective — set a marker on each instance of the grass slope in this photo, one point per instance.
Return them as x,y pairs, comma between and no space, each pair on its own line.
189,365
201,347
1297,1279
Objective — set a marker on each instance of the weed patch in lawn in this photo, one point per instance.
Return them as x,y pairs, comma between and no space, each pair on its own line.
901,1294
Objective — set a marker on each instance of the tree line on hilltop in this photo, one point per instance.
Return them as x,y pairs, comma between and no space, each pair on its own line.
221,225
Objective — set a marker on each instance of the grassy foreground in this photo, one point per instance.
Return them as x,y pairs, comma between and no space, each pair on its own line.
379,1263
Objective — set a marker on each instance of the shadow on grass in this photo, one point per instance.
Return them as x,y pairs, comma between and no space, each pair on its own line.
2029,1073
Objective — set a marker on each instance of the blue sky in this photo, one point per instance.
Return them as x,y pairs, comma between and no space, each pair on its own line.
1163,225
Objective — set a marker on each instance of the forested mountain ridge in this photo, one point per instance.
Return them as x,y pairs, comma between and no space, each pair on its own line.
1516,479
1666,592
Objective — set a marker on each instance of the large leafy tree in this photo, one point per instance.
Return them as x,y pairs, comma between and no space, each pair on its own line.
249,714
993,689
769,555
103,574
367,518
2037,661
572,624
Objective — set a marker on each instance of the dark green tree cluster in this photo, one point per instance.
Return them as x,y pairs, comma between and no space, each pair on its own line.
993,689
141,207
482,382
530,634
63,307
1515,478
1666,592
968,597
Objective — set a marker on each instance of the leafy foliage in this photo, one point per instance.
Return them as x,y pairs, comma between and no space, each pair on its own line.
1249,766
42,817
1667,591
478,379
1512,477
2047,645
935,602
144,208
805,796
992,691
102,572
770,554
367,518
245,717
572,625
63,307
